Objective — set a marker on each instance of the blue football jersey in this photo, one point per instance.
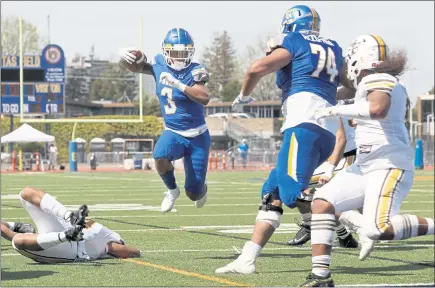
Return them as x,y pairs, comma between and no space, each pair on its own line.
315,66
179,112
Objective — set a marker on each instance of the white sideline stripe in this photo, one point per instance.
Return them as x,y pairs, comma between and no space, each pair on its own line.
289,227
268,249
86,198
232,204
190,215
214,191
158,180
161,215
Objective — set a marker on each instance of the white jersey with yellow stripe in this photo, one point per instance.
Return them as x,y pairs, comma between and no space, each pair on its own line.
383,144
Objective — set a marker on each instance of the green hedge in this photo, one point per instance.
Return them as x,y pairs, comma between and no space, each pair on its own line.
150,128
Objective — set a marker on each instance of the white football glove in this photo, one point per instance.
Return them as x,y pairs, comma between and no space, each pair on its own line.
325,112
240,102
169,80
130,58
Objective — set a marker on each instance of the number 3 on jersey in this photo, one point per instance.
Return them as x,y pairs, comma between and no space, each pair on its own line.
324,58
171,107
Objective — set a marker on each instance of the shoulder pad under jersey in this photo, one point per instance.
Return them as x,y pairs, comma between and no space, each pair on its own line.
382,82
274,43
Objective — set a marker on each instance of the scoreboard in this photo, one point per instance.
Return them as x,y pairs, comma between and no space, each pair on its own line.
44,82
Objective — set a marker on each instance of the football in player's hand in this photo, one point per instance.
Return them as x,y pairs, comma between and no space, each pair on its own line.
138,65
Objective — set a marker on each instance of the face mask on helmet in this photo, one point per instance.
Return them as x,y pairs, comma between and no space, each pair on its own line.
179,56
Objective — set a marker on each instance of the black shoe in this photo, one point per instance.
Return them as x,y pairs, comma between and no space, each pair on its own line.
83,212
74,233
316,281
302,237
23,228
348,242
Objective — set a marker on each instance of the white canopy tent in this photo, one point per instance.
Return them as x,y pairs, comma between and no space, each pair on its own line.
117,140
97,140
25,134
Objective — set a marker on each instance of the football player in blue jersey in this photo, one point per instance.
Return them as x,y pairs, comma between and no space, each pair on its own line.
308,73
180,86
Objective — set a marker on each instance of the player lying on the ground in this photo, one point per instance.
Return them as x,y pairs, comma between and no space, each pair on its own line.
65,236
383,173
9,229
308,73
180,86
344,147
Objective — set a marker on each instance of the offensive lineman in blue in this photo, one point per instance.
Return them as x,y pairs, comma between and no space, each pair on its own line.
308,73
182,95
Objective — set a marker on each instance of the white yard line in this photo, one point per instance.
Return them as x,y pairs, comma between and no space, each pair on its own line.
225,204
102,217
65,198
264,249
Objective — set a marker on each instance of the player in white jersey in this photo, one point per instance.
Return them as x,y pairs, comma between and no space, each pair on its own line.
383,173
342,156
64,236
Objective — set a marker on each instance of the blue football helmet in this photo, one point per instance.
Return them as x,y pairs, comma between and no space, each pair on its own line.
302,19
178,49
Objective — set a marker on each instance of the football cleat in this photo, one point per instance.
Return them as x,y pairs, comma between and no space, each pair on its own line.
82,212
317,281
169,200
367,246
201,202
348,242
302,237
238,266
74,233
23,228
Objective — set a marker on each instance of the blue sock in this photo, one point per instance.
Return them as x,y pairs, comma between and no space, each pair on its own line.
169,179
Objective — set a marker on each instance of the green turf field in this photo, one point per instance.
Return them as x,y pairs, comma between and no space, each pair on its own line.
183,248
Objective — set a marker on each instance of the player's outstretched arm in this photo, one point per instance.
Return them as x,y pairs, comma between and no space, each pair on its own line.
122,251
334,159
340,144
375,108
278,59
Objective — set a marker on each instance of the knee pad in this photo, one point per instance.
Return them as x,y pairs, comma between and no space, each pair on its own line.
269,213
271,217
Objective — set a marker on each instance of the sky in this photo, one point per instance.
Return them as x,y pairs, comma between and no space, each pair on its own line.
111,25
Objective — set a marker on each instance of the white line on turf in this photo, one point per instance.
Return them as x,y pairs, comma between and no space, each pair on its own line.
210,205
264,249
188,215
65,199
